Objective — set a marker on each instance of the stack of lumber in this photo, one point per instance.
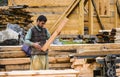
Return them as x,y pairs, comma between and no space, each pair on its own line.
14,15
106,36
84,66
12,58
117,36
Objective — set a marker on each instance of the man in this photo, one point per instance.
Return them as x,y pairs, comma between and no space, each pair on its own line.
36,37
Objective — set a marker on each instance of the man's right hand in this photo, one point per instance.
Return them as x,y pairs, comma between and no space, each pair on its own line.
37,46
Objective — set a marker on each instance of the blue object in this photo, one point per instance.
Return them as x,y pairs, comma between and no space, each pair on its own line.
27,49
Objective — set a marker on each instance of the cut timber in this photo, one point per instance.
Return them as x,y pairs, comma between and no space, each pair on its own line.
54,35
14,61
102,52
60,65
17,67
40,2
12,54
116,15
52,60
61,52
86,46
41,73
10,48
81,17
12,67
62,59
90,14
70,47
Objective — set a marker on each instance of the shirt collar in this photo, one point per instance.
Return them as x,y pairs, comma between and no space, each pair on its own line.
38,28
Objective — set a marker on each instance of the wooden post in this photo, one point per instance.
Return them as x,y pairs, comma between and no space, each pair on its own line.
81,16
54,35
116,16
90,14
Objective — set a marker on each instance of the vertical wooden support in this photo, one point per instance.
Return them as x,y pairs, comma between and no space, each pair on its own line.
81,17
116,16
97,5
90,14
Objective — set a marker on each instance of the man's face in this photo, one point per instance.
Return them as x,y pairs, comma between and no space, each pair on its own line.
41,23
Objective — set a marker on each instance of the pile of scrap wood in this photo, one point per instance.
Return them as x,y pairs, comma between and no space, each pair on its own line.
15,15
84,66
117,36
106,36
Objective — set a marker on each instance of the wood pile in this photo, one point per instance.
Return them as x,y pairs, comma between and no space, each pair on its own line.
12,58
117,36
106,36
84,66
15,15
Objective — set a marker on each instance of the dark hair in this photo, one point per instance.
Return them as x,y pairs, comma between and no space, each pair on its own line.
42,18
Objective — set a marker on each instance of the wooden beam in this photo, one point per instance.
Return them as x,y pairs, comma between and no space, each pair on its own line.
116,15
54,35
14,61
10,48
86,46
98,52
60,65
90,14
81,17
74,47
40,73
12,54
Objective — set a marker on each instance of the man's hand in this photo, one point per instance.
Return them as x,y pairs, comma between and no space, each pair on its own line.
37,46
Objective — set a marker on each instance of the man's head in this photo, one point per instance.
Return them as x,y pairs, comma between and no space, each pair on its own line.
41,20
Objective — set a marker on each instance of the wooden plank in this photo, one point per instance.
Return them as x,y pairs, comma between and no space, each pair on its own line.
116,15
40,2
12,54
60,65
62,59
40,72
52,60
90,14
12,67
98,52
60,9
58,53
81,17
14,61
10,48
68,75
72,47
51,39
86,46
17,67
62,75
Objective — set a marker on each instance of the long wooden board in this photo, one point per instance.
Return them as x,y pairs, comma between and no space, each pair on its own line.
54,35
69,47
40,2
52,73
98,53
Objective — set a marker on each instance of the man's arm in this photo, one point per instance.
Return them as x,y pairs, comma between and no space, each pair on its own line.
28,37
28,42
48,34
